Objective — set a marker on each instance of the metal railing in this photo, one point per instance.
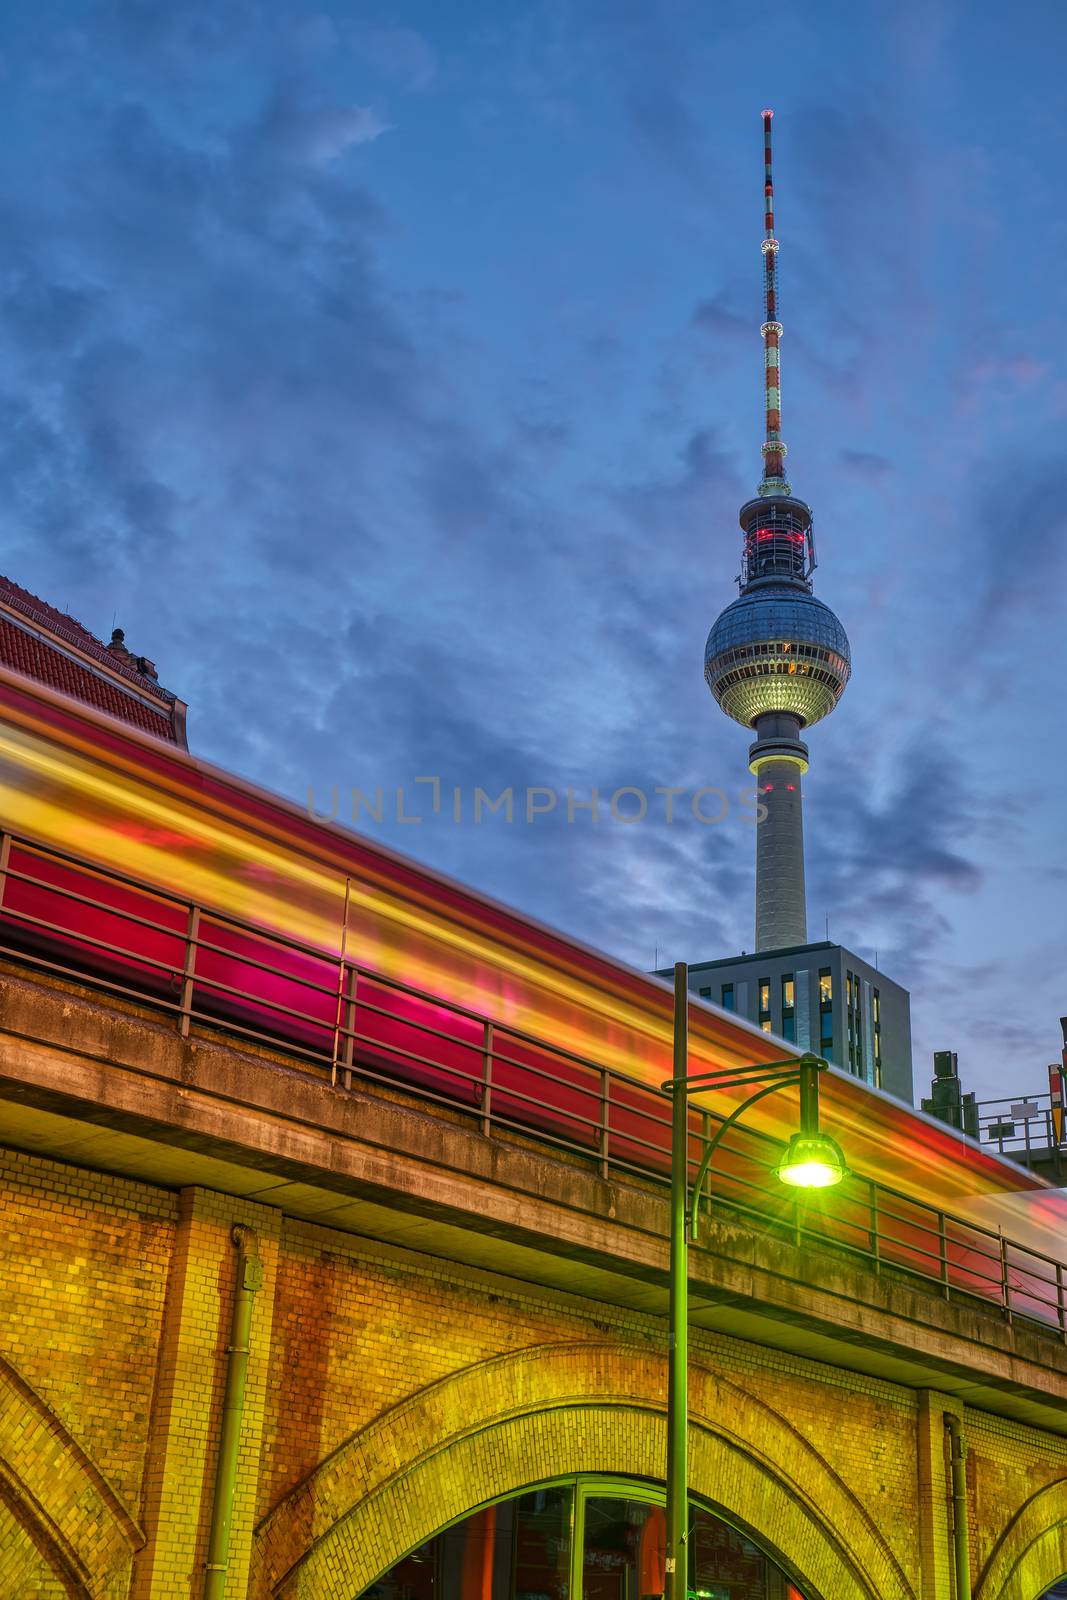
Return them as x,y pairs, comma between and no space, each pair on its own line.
1024,1128
206,969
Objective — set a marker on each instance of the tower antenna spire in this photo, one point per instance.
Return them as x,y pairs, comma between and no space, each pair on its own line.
774,450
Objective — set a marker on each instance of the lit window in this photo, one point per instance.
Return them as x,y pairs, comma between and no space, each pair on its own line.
728,997
877,1002
788,992
826,987
765,994
766,1025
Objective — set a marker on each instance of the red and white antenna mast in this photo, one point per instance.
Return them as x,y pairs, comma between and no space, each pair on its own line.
774,450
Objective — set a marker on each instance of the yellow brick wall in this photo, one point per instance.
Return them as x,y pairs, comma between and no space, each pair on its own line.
24,1573
85,1260
360,1329
389,1391
1008,1468
190,1389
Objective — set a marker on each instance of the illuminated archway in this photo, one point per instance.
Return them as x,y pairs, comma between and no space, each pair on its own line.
58,1510
1030,1556
554,1412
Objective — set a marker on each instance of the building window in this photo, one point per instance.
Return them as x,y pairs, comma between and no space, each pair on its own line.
766,1025
826,987
826,1027
789,1026
765,996
705,994
848,981
728,997
876,1002
599,1538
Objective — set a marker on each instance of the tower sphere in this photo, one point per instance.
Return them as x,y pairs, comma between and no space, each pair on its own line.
777,648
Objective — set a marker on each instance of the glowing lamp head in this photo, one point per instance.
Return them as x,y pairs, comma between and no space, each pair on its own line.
812,1161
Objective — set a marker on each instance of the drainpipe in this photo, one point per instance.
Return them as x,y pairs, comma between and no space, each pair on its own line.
960,1547
249,1279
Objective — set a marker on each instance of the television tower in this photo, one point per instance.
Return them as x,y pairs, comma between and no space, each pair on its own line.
777,659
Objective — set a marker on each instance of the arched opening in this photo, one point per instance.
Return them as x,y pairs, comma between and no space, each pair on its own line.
582,1538
1057,1592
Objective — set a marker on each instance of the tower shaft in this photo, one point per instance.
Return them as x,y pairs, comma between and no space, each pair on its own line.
779,760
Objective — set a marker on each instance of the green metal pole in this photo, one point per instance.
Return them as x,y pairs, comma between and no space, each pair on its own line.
960,1546
677,1387
249,1279
809,1093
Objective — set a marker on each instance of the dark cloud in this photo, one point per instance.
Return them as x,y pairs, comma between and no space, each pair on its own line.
718,317
385,424
866,464
400,54
665,126
890,858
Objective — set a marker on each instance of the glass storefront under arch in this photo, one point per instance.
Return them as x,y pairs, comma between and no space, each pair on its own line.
581,1539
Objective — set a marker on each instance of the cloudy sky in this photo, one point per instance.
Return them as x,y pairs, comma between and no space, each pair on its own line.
391,374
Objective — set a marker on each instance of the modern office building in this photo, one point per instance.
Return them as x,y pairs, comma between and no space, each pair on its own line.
821,997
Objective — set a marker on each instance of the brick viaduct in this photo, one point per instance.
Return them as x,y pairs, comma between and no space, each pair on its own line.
444,1319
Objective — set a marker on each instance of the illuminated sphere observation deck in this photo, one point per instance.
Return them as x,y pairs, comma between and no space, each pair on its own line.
777,648
777,659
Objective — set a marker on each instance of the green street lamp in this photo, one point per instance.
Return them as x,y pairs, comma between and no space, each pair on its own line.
812,1160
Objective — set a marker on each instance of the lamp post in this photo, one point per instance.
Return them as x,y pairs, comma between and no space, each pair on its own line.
812,1160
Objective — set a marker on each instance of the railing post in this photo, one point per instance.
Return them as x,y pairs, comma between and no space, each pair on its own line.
1059,1300
872,1212
942,1252
605,1102
5,857
339,1010
487,1079
192,935
348,1048
1004,1286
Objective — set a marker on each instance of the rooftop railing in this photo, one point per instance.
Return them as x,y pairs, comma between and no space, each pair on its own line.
340,1018
1027,1130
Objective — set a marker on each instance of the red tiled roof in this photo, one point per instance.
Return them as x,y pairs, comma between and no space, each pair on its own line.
37,659
70,630
18,596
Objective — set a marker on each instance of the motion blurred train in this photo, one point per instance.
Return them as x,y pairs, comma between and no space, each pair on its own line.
127,861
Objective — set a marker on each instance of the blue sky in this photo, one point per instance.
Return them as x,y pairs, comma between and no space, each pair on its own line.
392,375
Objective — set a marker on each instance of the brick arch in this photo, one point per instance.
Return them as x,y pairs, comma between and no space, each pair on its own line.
553,1411
63,1504
1031,1554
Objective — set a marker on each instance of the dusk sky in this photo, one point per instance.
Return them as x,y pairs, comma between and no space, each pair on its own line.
392,376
